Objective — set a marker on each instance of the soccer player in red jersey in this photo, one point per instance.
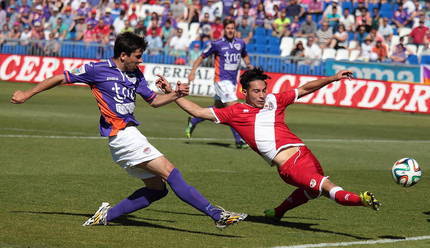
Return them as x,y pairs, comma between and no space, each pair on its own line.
260,122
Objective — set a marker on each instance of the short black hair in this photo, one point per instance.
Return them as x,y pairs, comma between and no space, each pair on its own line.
251,75
128,42
228,21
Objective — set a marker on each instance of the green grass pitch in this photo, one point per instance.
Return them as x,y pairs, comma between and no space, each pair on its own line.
50,184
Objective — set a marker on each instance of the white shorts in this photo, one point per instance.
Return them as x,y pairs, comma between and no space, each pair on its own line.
129,148
225,91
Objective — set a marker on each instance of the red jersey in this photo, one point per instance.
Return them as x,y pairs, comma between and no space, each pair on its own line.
264,129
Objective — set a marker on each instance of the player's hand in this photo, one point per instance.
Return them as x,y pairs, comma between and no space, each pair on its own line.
19,97
182,89
344,74
163,85
191,77
250,67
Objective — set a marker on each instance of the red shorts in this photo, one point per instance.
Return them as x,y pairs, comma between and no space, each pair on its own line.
304,171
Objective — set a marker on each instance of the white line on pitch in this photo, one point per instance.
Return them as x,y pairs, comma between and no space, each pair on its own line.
211,139
367,242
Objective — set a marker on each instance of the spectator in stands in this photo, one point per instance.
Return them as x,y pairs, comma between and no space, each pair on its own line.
340,38
80,28
324,35
107,18
293,9
315,7
243,30
169,16
60,29
360,8
409,6
205,27
167,32
2,14
376,19
212,9
193,12
178,45
308,27
101,32
82,10
333,18
133,17
348,20
217,28
298,53
366,50
281,24
24,17
386,30
194,53
247,10
260,16
15,32
179,10
374,35
154,23
128,27
268,22
329,9
399,54
92,19
89,34
401,17
68,17
293,28
361,34
246,15
419,33
116,10
312,52
119,22
140,28
381,51
37,34
25,36
37,15
52,46
364,18
155,44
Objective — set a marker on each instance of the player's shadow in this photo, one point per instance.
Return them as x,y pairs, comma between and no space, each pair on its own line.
300,226
129,220
427,213
199,143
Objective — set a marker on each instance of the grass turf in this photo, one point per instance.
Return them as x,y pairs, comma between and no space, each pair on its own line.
50,186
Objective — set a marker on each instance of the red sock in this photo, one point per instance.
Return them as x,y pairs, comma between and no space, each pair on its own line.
296,199
344,197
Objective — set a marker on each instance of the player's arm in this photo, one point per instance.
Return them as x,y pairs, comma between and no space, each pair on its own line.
169,95
196,64
195,110
315,85
248,62
20,96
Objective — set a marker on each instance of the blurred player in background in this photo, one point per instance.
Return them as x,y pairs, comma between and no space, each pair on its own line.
228,52
261,122
114,83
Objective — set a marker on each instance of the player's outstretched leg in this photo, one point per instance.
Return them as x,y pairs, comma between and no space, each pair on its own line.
228,218
347,198
191,125
297,198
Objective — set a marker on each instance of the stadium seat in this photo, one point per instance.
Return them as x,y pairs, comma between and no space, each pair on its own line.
420,50
347,4
413,59
251,48
412,48
425,59
193,31
354,54
304,69
260,48
404,31
328,53
342,54
20,49
287,44
66,50
8,49
353,44
260,31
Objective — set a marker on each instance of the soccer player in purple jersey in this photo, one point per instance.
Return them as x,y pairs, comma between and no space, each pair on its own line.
228,52
114,83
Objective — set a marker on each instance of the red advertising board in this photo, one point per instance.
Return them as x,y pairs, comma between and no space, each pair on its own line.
357,93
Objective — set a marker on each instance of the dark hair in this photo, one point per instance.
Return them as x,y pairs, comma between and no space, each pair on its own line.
251,75
227,22
128,42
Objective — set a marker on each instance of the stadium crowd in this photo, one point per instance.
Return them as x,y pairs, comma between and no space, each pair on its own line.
309,30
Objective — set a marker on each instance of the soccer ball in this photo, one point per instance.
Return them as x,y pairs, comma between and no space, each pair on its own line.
406,172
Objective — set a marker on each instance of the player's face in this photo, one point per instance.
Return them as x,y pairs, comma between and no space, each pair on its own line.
256,94
229,31
132,62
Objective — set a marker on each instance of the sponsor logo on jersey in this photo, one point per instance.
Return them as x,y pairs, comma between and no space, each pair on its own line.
237,46
147,150
131,79
246,111
112,78
269,106
313,183
79,71
224,48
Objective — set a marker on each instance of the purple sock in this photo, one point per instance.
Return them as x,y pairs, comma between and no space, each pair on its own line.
191,196
236,135
141,198
196,120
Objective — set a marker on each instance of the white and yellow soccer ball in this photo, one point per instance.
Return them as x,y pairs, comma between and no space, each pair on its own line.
406,172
